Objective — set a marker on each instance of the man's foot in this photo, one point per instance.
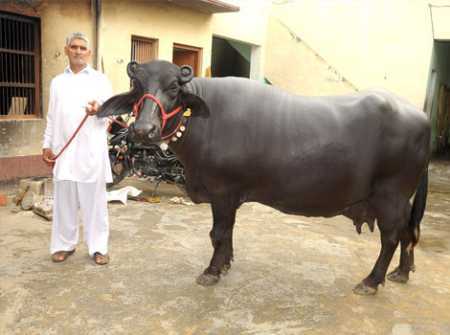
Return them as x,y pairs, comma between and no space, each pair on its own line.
100,259
61,256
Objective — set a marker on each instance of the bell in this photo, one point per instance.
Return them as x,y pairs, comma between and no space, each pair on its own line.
182,128
163,146
174,138
187,112
179,133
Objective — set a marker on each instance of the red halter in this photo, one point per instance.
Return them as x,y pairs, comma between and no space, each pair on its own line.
164,115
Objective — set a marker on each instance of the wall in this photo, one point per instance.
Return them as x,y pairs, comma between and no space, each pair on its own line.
21,141
152,20
24,137
60,18
294,66
379,43
249,25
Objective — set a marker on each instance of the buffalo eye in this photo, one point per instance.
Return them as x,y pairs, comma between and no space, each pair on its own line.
172,90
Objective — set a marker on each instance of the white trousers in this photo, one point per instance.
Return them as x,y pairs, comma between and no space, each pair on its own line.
90,198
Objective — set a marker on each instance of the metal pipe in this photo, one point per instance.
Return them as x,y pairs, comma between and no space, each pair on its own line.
97,5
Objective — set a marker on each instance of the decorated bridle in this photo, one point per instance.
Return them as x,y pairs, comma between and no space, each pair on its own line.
164,115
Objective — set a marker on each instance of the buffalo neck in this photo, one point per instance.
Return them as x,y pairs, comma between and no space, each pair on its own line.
187,148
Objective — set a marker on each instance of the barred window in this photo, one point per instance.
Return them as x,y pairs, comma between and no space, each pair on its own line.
19,66
143,49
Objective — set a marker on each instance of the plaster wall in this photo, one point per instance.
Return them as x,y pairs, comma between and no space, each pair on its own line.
249,25
58,19
380,43
168,24
119,22
165,22
293,66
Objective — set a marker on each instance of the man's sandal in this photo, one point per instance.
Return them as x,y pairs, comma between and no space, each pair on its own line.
61,256
100,259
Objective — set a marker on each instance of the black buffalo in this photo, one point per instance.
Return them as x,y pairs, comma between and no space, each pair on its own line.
361,155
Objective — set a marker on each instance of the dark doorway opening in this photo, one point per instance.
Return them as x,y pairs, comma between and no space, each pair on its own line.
438,99
230,58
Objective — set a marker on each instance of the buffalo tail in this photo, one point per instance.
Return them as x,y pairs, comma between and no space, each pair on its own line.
418,207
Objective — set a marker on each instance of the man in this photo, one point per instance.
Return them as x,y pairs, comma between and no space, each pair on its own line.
81,172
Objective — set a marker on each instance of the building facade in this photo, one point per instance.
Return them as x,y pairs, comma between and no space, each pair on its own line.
184,32
322,47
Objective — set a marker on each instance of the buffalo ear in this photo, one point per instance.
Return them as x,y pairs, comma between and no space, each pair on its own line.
121,103
186,74
197,105
131,69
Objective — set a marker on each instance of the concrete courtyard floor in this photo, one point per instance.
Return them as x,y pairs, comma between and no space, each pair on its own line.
291,274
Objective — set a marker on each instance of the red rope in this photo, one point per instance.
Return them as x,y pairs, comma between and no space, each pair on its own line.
164,115
71,138
136,109
124,125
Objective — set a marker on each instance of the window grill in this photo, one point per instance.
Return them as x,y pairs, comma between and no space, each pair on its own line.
143,49
19,66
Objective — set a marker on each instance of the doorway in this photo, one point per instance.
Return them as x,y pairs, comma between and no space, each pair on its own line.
437,103
230,58
187,55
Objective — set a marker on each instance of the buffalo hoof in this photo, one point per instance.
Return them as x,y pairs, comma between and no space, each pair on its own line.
398,276
363,289
206,279
225,269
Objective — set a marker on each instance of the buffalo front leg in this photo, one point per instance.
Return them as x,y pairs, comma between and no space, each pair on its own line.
224,214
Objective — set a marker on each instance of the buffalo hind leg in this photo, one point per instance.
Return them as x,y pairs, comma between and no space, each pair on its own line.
401,272
224,214
391,221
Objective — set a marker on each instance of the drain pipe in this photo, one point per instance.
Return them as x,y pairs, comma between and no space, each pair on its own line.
97,6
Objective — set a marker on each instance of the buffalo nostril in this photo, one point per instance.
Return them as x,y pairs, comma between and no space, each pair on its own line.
151,132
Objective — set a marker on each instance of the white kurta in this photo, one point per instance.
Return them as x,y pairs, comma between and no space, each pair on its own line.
86,158
81,172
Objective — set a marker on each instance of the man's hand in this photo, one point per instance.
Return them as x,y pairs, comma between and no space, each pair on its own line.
92,107
48,157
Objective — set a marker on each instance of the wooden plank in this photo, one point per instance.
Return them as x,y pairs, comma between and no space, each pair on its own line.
18,9
16,84
17,52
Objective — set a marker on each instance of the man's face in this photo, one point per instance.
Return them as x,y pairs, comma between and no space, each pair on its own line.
77,52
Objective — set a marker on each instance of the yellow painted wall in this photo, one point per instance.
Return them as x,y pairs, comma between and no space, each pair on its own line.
293,66
58,19
120,20
168,23
249,25
381,43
